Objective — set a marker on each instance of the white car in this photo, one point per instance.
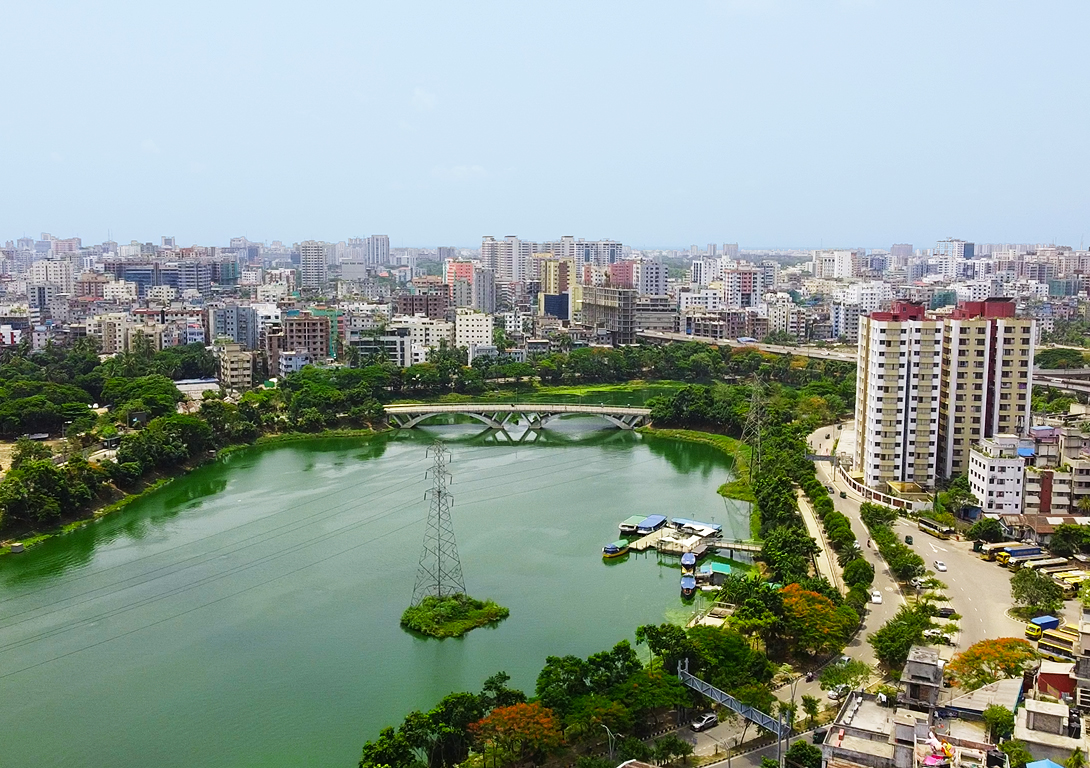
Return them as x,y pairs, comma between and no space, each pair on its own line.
704,722
876,596
838,693
940,566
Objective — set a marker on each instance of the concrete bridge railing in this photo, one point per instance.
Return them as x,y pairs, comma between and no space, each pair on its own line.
498,415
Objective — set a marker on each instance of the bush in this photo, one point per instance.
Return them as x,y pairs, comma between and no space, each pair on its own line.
451,616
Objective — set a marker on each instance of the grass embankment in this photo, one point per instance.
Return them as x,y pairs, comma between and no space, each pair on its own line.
630,393
737,450
120,499
451,616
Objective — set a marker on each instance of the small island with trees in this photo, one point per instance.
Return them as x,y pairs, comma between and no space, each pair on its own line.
451,615
441,607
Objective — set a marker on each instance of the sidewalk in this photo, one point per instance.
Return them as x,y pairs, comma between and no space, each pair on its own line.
826,559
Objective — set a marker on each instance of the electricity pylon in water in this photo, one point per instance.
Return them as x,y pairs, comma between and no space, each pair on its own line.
754,426
440,571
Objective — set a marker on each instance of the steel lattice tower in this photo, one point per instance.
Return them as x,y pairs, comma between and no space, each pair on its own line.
754,426
440,570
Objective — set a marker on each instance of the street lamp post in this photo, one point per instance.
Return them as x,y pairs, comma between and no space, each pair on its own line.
612,740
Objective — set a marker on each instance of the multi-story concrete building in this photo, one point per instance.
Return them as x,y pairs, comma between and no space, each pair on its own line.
996,468
612,310
54,272
844,317
787,318
897,396
649,277
472,328
704,300
431,304
929,387
742,286
837,264
312,265
509,259
236,366
304,331
987,378
235,322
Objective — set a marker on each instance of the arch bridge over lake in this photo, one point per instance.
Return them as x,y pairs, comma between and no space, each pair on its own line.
499,415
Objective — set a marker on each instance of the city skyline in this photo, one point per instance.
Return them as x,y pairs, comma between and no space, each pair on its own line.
781,123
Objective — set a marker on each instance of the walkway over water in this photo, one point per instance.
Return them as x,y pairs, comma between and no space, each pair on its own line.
498,415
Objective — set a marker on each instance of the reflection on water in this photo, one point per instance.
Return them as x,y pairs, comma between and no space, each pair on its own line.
256,600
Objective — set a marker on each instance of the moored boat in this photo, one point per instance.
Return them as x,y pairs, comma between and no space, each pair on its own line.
688,563
650,524
615,549
688,586
630,524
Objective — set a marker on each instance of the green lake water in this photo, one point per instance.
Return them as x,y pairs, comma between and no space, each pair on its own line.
247,613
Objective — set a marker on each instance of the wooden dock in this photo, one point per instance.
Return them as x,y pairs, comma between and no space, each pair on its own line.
647,542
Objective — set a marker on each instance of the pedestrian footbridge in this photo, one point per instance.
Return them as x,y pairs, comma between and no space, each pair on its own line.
499,415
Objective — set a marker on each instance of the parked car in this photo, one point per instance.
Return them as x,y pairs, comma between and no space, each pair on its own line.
945,612
838,693
940,566
935,636
704,722
876,596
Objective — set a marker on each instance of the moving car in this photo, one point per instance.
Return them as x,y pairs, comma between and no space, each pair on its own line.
875,596
705,721
830,488
838,693
843,494
940,566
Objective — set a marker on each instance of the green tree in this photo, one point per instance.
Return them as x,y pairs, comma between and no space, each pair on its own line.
986,529
802,755
811,705
1036,591
632,748
1000,722
1067,539
1016,752
851,673
670,746
1077,759
859,573
29,450
896,637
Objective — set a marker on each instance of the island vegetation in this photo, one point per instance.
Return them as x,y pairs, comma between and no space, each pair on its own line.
451,615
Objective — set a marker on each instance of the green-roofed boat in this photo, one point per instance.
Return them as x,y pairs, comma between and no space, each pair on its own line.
616,548
630,524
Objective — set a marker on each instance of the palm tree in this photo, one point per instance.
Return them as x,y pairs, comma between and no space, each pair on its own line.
1077,759
1084,504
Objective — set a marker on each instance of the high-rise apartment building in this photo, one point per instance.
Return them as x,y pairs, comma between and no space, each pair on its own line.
897,396
833,264
509,259
649,277
742,286
600,253
312,265
378,249
238,323
929,387
54,272
987,378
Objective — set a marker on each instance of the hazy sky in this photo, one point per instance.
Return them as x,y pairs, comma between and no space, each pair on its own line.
770,123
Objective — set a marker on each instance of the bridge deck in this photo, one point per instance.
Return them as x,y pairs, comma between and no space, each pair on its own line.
614,410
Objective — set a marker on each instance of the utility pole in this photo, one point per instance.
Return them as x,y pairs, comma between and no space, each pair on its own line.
440,571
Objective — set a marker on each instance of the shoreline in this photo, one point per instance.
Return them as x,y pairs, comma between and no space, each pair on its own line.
737,489
161,479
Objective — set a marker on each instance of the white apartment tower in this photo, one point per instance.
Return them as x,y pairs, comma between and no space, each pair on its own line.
930,387
649,277
897,396
509,259
312,264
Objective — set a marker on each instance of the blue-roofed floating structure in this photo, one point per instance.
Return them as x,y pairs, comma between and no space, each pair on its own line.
688,563
650,524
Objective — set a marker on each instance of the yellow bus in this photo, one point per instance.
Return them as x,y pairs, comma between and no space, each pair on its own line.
1060,644
989,551
938,530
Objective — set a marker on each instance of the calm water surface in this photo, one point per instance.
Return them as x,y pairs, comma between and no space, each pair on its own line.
247,614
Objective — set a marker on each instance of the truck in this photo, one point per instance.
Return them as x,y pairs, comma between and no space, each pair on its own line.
1037,626
1020,551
